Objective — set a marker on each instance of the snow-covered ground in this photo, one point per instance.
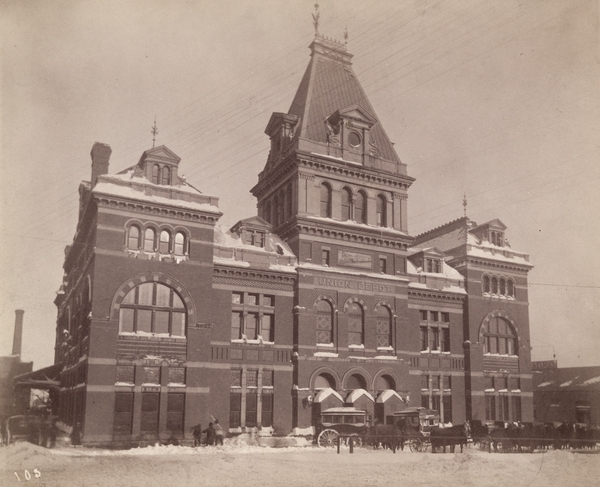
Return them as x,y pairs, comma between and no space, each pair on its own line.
241,465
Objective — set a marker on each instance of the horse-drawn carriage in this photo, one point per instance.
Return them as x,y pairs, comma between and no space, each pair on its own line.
347,422
415,425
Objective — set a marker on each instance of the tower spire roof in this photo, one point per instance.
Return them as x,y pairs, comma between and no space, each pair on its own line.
329,84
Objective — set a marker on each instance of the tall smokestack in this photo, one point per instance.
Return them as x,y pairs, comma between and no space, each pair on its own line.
100,156
18,337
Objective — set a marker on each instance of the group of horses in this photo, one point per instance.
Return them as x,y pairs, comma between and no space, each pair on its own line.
397,436
509,437
500,437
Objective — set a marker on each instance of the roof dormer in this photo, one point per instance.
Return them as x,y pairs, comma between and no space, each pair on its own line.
492,232
350,131
252,231
159,165
281,130
430,260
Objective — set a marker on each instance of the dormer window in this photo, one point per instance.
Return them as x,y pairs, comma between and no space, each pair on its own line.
497,238
354,139
155,173
166,176
257,239
433,265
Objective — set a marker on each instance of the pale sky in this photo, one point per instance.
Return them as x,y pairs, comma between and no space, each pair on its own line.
495,99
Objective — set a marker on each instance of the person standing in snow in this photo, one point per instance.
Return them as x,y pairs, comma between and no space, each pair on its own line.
76,434
197,432
219,434
210,434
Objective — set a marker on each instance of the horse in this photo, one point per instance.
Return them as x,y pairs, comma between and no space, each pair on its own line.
452,436
386,435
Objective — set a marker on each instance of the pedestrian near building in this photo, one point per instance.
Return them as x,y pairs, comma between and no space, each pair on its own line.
197,432
210,434
76,434
219,433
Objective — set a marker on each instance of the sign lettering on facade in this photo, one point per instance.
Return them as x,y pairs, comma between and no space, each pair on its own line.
354,285
355,259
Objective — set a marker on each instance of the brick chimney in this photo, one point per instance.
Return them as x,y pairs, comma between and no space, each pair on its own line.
18,337
100,156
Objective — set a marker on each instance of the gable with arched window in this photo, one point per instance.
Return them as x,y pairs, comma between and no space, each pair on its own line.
153,308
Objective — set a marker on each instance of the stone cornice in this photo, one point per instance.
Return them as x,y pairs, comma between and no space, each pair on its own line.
435,295
489,264
171,212
231,275
344,234
313,162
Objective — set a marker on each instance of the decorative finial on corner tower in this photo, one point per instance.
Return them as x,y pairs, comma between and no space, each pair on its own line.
465,203
154,132
346,36
315,17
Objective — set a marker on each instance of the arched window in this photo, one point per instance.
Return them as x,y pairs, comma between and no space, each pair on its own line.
381,211
155,174
360,208
498,336
164,245
133,237
325,200
152,308
346,204
324,381
356,324
385,382
502,288
384,327
166,176
324,322
510,288
179,247
486,284
494,285
149,237
356,381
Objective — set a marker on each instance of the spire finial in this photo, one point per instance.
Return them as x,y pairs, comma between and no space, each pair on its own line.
315,17
154,131
465,203
346,36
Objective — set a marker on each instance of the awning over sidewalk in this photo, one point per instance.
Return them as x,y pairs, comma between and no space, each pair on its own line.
46,378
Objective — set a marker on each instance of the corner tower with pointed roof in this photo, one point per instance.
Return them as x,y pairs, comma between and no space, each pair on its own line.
335,190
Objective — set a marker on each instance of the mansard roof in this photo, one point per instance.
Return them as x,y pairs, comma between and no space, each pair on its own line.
330,85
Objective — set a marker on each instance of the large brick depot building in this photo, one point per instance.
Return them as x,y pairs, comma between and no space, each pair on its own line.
166,318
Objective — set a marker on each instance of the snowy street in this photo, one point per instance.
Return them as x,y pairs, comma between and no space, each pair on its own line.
250,466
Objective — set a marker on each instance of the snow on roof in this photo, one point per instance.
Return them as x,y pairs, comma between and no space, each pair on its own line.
487,250
568,383
387,394
546,384
226,238
325,393
357,393
447,271
105,186
593,380
128,175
